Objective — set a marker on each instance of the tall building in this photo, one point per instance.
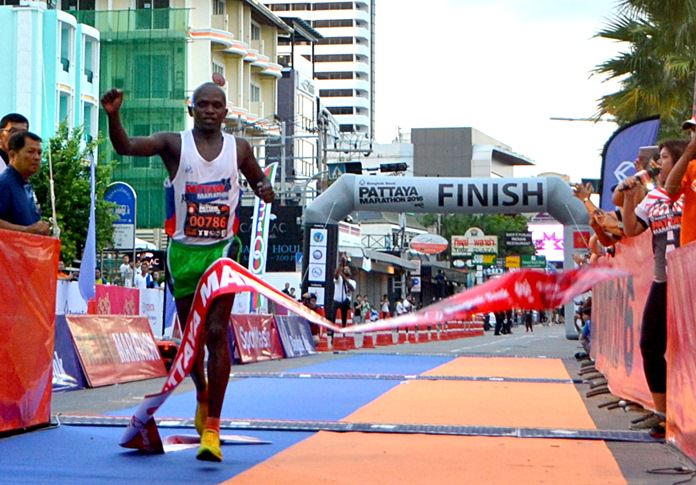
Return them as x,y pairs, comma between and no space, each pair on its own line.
50,69
461,152
345,68
159,51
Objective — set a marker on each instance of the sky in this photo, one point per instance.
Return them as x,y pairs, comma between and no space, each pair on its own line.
504,67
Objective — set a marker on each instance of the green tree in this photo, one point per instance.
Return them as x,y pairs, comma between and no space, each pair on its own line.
491,225
656,70
71,180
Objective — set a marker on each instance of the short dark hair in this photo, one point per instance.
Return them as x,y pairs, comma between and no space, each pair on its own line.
13,118
18,140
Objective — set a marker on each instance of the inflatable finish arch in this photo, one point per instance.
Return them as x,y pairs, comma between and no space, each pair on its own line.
435,195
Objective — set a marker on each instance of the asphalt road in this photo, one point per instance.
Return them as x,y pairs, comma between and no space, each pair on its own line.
635,459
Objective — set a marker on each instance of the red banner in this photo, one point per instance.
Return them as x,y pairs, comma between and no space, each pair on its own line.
29,265
256,338
115,300
522,289
115,348
681,349
617,314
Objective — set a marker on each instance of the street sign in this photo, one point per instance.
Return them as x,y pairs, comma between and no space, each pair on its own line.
533,262
123,195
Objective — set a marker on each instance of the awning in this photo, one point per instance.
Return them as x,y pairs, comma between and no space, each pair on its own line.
384,260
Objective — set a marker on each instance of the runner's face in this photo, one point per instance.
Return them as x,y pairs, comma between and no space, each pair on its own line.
209,109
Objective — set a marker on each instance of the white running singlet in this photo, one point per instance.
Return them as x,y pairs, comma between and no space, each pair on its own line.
205,193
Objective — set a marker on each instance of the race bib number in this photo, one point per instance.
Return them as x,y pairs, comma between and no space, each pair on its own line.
206,220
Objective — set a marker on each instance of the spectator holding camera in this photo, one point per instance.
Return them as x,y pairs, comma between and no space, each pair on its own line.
606,225
661,214
344,286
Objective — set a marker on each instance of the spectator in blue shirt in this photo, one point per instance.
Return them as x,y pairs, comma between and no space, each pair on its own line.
18,210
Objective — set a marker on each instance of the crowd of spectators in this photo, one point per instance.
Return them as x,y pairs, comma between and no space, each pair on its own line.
661,199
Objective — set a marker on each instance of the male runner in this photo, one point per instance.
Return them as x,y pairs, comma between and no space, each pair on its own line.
203,165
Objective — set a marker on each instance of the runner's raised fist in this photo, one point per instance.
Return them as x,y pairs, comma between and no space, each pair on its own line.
112,100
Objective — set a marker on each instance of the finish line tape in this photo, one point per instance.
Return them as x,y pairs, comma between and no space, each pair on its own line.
344,427
398,377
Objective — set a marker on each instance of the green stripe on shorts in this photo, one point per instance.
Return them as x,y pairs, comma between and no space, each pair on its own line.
188,262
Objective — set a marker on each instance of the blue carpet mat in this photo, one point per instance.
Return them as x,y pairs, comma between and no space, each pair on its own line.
71,454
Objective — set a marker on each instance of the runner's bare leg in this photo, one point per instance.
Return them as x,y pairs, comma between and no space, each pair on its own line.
183,307
219,361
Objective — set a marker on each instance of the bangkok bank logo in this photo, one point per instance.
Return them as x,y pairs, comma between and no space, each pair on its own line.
523,290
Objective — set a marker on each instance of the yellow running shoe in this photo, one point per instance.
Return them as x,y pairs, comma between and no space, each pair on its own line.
210,446
201,416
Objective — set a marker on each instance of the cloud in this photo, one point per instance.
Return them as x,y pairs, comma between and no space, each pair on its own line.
502,68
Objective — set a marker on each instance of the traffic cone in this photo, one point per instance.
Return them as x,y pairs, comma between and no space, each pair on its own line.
385,338
402,336
343,342
323,344
368,342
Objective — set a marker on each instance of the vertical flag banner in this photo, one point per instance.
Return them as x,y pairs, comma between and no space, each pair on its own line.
258,244
619,153
88,264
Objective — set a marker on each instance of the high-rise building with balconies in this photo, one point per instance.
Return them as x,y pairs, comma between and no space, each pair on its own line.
344,58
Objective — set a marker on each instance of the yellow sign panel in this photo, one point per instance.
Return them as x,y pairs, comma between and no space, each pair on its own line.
512,261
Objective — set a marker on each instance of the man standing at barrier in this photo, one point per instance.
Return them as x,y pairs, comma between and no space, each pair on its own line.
10,124
203,166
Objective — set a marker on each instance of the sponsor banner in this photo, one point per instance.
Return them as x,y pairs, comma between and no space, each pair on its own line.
115,300
522,289
681,342
68,298
256,338
67,371
295,335
619,153
513,239
29,264
617,314
152,307
284,237
450,195
465,245
115,348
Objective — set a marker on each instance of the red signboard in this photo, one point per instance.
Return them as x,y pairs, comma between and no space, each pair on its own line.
617,315
581,239
115,300
256,338
115,348
29,265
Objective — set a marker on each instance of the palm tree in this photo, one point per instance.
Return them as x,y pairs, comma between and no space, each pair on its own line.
656,71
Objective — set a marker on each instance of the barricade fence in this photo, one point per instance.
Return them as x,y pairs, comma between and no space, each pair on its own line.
29,264
617,312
